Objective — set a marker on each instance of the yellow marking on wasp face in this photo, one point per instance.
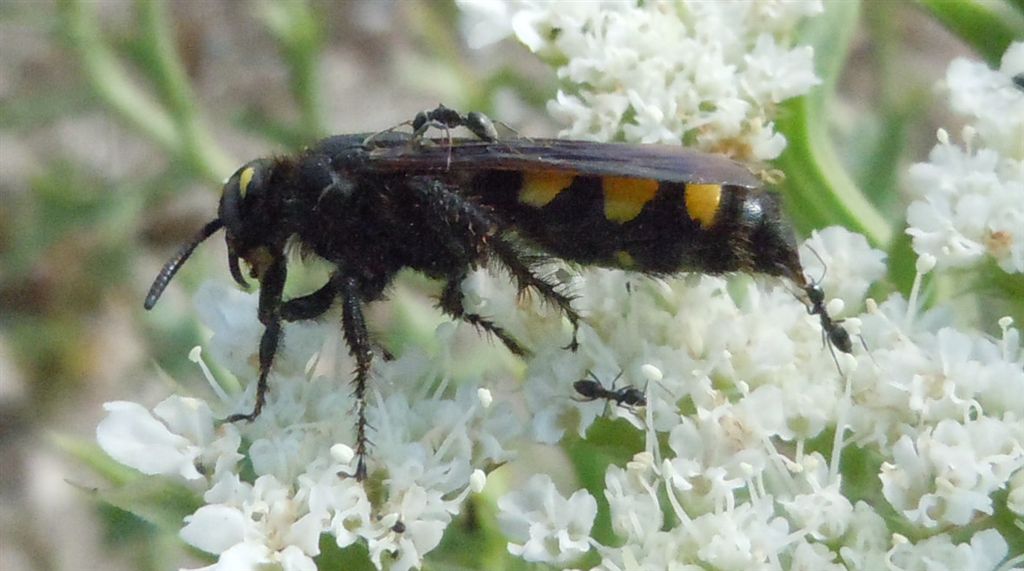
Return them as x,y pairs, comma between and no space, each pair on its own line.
624,259
541,187
702,203
259,261
244,178
624,198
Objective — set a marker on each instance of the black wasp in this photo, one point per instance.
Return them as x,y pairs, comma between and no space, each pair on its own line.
374,204
591,389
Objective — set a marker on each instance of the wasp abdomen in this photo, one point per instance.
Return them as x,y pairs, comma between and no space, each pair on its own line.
639,224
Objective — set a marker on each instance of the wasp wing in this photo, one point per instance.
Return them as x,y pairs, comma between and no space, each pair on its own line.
665,163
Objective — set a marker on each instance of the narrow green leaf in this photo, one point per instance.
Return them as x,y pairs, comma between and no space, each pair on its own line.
978,24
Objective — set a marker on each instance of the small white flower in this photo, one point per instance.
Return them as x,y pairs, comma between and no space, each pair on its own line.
814,557
990,101
947,475
178,438
985,551
746,537
424,515
545,527
866,540
823,512
634,506
257,524
1015,500
969,201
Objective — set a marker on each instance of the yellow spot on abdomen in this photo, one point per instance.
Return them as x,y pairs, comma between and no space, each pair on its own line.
541,187
624,198
244,178
702,203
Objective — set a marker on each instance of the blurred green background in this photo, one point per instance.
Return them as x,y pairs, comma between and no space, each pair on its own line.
118,121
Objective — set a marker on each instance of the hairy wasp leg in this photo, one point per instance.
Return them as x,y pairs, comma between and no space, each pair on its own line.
310,306
271,289
451,303
468,223
526,278
358,338
474,227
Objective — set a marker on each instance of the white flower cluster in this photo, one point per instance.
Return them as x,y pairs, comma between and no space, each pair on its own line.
430,449
707,73
969,200
759,423
753,411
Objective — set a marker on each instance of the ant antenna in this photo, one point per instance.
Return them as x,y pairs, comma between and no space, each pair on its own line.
174,264
824,266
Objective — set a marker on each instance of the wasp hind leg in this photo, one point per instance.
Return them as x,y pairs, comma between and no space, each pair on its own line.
451,303
526,279
471,229
358,338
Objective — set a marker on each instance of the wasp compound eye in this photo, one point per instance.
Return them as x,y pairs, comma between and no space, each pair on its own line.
246,184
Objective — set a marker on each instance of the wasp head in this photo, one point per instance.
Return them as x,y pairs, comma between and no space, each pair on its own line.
247,209
243,213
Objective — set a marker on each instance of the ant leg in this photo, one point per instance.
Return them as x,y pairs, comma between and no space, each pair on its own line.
271,288
358,338
451,303
526,278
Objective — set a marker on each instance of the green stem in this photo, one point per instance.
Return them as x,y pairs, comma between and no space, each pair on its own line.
988,32
300,37
817,184
173,126
108,79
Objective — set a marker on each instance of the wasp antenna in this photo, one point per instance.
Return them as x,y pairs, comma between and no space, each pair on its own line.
174,264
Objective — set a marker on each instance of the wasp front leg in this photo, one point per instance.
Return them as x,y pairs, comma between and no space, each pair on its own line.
271,290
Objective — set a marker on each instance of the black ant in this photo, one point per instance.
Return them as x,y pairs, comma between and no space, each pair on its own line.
592,389
831,329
